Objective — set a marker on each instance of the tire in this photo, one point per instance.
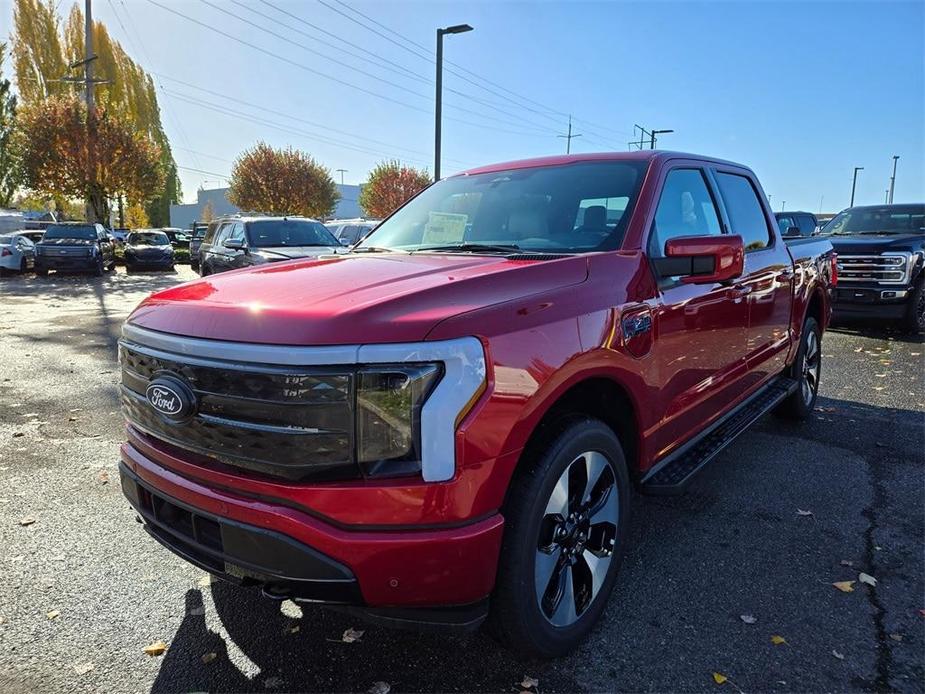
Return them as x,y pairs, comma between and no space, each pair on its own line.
23,267
914,320
543,537
806,370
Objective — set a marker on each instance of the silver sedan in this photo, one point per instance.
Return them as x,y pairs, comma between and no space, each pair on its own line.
17,253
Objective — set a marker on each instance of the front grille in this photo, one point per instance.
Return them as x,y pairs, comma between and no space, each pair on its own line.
882,269
290,422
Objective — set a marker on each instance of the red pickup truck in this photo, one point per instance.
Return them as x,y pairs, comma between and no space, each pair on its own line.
446,423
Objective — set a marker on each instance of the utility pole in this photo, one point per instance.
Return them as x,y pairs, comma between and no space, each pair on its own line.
892,180
821,198
92,212
438,109
341,172
642,135
886,198
783,204
568,138
854,183
657,132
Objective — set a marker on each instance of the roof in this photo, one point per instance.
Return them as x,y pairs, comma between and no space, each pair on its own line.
562,160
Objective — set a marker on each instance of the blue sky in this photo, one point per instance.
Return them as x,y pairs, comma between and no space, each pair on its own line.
800,91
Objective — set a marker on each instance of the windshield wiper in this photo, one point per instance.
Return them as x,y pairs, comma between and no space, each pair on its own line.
471,248
372,249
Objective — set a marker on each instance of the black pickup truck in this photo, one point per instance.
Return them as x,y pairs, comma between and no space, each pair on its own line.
880,249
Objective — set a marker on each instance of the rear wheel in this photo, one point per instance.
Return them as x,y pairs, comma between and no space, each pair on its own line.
567,521
806,369
23,267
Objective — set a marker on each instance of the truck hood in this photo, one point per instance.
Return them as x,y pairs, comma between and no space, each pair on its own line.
349,299
875,244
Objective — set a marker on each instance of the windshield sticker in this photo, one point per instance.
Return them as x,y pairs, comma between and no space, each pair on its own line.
445,228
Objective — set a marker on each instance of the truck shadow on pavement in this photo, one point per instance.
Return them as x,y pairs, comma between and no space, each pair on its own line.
734,545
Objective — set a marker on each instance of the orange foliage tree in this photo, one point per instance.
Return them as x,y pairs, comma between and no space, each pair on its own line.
389,185
56,159
282,182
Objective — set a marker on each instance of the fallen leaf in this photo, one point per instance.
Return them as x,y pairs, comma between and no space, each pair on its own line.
207,658
380,688
17,434
28,520
83,668
352,635
840,656
72,419
896,637
719,677
867,578
294,629
845,586
778,640
53,614
2,620
748,619
103,477
156,648
801,512
845,562
529,682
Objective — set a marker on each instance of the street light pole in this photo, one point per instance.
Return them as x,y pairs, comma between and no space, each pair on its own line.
854,183
438,109
893,179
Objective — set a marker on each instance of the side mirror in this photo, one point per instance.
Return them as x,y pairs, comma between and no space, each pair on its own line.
703,259
235,244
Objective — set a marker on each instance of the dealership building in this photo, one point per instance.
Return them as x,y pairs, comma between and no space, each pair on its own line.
182,216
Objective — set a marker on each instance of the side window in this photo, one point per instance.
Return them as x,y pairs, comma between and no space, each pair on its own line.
745,213
685,208
237,232
784,224
100,233
222,234
807,224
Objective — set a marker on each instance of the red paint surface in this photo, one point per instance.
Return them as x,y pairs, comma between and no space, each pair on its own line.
546,326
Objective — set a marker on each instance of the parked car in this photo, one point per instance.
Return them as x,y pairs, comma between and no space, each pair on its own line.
148,248
450,419
33,235
349,231
880,257
197,234
178,237
120,233
238,242
797,223
75,246
17,253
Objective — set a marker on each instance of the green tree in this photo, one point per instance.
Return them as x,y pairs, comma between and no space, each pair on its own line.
389,185
38,59
7,123
280,182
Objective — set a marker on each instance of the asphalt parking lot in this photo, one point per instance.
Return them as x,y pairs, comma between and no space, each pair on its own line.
783,514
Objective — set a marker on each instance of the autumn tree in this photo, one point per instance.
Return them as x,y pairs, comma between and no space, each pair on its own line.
7,121
43,49
136,217
52,141
389,185
280,182
208,212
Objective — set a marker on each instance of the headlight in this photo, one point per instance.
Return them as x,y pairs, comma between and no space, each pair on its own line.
388,417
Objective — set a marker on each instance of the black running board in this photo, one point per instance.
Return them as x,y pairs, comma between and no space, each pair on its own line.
671,475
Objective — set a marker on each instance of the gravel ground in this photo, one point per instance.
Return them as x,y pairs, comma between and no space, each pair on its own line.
83,590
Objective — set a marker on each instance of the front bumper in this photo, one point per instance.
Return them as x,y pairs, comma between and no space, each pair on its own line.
397,575
870,301
75,263
158,262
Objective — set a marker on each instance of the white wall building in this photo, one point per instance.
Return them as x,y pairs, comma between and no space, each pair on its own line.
183,215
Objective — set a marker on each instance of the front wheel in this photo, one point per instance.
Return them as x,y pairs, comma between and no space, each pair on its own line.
914,321
806,369
566,525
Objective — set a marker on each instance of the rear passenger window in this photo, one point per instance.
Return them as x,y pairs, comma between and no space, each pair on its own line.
745,213
807,224
685,208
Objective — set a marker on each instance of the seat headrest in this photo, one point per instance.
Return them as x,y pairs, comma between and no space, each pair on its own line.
595,216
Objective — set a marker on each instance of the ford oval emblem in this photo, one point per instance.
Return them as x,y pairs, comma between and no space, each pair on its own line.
171,397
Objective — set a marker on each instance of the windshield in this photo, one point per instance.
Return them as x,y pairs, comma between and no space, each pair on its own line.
573,208
85,231
889,219
288,232
147,238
